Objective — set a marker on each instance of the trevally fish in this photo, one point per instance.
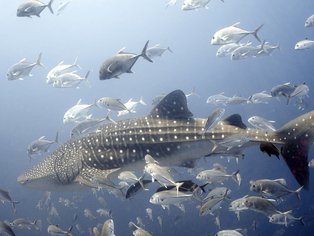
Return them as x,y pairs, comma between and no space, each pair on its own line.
77,113
261,123
55,230
5,197
138,231
274,188
22,69
62,6
149,212
61,69
40,145
108,228
156,51
172,136
31,8
261,97
229,232
304,44
69,80
284,218
121,63
131,105
233,34
309,21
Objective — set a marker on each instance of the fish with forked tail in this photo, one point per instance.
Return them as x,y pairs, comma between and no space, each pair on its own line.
172,136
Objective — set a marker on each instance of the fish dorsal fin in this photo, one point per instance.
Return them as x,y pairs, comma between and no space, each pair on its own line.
281,181
235,120
172,106
22,60
121,51
42,137
79,101
236,24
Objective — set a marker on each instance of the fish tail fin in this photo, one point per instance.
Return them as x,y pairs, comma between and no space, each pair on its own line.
297,192
49,6
141,101
143,54
301,219
298,136
169,49
236,177
140,181
256,31
76,64
38,62
178,185
202,187
14,205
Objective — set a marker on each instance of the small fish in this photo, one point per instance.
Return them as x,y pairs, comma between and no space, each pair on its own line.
238,205
218,99
69,80
157,51
87,126
138,231
170,197
135,188
261,205
227,49
235,141
229,232
216,175
217,222
273,188
211,205
121,63
149,212
31,8
22,69
159,219
26,224
237,100
6,229
267,49
311,163
104,212
300,90
262,97
108,228
262,123
130,106
40,146
159,173
61,69
77,113
233,34
309,21
247,51
282,90
52,211
139,222
5,197
304,44
112,104
55,230
62,6
194,4
89,215
218,192
214,118
284,218
130,178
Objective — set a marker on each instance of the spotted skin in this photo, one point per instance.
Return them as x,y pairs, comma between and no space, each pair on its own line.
171,136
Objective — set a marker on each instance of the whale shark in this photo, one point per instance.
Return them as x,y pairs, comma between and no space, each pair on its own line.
171,135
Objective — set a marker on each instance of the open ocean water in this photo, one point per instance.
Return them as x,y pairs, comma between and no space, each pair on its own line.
94,31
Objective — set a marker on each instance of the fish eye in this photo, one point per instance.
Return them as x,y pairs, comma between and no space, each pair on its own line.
213,37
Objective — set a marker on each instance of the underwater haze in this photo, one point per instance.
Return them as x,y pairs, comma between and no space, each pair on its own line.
94,31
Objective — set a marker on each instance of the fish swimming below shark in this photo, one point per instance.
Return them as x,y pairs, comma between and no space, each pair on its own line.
172,136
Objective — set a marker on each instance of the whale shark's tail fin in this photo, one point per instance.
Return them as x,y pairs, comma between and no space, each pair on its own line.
298,136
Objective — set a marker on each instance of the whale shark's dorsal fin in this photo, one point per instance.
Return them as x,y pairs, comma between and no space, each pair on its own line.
172,106
235,120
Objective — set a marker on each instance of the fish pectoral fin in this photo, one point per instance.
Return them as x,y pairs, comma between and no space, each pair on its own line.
109,68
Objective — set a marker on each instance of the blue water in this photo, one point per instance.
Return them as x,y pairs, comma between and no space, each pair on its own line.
95,30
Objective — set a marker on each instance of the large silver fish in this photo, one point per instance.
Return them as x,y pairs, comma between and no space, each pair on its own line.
169,134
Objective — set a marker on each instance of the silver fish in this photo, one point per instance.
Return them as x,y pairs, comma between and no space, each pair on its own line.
40,146
138,231
262,97
22,69
261,123
121,63
168,133
156,51
213,118
5,197
149,212
238,205
108,228
229,232
62,6
25,223
110,103
273,188
31,8
261,205
55,230
284,218
60,69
